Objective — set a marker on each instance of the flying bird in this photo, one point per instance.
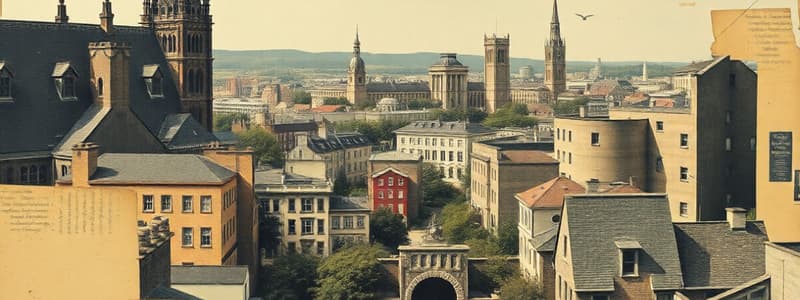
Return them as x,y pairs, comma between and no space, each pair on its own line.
584,17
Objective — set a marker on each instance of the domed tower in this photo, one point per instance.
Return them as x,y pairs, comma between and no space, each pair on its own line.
183,27
356,76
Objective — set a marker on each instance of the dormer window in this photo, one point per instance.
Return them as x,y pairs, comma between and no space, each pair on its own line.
5,83
629,258
154,80
65,79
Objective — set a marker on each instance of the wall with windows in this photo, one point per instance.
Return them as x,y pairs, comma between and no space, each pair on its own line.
27,172
450,153
349,226
305,226
391,190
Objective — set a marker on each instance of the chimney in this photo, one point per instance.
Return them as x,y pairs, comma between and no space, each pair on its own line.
110,65
107,18
592,185
582,111
62,17
634,182
84,163
737,217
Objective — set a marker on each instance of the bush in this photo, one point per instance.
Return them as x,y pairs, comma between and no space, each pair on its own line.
291,277
510,115
520,288
461,223
301,97
351,273
266,149
388,229
508,238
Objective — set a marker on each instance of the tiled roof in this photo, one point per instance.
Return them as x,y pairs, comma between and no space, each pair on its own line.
526,157
550,194
714,256
32,49
597,221
439,127
119,168
328,108
209,275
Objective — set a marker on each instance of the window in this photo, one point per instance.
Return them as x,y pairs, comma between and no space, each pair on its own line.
401,208
684,140
595,139
403,141
186,236
320,248
380,181
320,204
291,205
684,209
348,222
166,203
630,259
400,195
67,87
308,204
5,82
334,222
400,181
292,227
460,156
451,142
100,87
728,144
360,222
566,245
450,156
147,203
187,203
570,158
391,181
205,237
390,194
308,226
320,226
570,135
442,156
276,205
205,204
380,194
684,174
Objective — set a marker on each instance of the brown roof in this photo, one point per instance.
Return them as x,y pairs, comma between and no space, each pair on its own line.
327,108
550,194
664,102
527,157
302,107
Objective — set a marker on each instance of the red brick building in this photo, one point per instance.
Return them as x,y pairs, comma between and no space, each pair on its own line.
390,190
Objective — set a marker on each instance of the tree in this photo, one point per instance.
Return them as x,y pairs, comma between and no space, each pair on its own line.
388,229
351,273
436,192
223,121
301,97
499,269
461,223
458,114
291,277
376,132
269,234
569,107
335,101
510,115
266,148
520,288
508,238
423,104
486,247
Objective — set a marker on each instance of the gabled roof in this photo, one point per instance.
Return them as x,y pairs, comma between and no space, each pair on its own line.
33,49
209,275
387,170
394,156
82,129
546,241
181,131
597,221
550,194
150,70
337,141
157,169
713,256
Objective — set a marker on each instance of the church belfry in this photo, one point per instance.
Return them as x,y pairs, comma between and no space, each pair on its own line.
497,71
356,76
183,28
555,77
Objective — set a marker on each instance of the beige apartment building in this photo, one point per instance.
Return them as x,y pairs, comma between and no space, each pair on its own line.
701,153
502,167
349,221
445,144
330,155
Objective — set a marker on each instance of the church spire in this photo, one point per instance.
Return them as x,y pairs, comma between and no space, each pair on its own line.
356,45
555,25
62,17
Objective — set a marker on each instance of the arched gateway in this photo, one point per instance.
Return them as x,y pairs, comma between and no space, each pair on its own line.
433,271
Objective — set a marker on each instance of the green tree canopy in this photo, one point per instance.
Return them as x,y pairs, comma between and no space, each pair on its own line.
508,237
266,148
375,131
351,273
291,277
457,114
269,234
520,288
423,103
510,115
335,101
223,121
461,223
569,107
301,97
388,229
435,191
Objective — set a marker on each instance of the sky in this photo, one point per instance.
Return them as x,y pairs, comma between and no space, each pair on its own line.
621,30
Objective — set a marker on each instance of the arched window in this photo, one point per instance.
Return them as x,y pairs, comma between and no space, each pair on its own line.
64,171
44,175
163,42
33,174
9,175
190,79
199,85
100,86
24,176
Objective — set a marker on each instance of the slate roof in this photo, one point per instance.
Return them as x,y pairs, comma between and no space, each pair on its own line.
393,87
394,156
38,120
475,86
697,67
349,203
448,128
181,131
337,141
124,168
596,222
167,293
208,275
546,240
550,194
714,256
279,177
82,129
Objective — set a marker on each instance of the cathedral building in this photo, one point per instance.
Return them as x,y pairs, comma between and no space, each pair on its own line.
132,89
555,76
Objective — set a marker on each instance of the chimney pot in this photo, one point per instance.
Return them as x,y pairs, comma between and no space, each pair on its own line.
737,217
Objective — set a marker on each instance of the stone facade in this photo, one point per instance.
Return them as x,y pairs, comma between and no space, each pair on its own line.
555,70
497,71
783,267
448,262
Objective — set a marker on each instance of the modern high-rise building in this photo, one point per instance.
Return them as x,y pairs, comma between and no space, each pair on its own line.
184,32
497,71
555,76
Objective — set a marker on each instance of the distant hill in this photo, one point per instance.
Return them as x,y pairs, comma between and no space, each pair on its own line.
272,62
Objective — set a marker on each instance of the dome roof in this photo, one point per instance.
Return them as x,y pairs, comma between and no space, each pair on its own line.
448,59
388,101
356,63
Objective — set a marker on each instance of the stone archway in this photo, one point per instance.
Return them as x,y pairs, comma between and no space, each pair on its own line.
412,285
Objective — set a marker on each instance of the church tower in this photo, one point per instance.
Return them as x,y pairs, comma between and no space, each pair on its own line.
497,71
356,76
183,27
555,77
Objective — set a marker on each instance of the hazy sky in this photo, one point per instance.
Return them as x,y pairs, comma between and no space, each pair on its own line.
654,30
